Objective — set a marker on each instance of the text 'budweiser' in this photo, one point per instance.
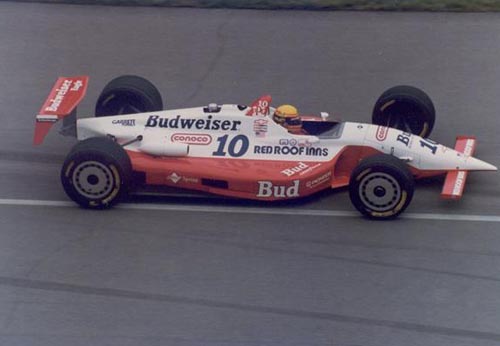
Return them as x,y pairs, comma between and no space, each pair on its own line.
198,124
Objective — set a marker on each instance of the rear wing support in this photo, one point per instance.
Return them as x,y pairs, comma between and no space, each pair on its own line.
65,95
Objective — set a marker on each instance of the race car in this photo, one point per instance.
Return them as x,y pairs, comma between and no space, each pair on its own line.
245,152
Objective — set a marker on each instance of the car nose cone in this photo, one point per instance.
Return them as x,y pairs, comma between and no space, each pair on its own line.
473,164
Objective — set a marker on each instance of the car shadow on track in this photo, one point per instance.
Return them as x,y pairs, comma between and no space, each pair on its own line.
159,195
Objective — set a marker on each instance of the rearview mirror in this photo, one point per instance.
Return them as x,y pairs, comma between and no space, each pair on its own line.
312,139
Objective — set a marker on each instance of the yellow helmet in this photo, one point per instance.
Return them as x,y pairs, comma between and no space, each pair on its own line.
288,116
286,111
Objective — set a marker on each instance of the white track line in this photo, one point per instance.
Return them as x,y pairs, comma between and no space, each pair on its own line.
251,210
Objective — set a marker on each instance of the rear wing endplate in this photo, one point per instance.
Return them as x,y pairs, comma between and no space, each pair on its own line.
66,94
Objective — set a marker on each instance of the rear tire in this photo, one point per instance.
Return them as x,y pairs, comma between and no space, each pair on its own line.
405,108
381,187
128,95
96,173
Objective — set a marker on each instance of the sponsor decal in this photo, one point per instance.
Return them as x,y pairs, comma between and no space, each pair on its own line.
405,138
319,180
261,107
199,123
459,182
291,171
268,189
260,127
190,180
289,150
61,92
191,138
175,178
469,147
381,133
294,142
124,122
78,84
310,169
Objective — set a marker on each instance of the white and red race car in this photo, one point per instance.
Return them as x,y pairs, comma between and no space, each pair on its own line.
239,151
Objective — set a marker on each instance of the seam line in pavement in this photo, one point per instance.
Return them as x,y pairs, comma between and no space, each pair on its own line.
253,210
52,286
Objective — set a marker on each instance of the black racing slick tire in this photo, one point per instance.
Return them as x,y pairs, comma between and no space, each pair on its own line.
96,173
405,108
381,187
128,95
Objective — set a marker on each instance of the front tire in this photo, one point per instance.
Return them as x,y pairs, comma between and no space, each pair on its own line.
405,108
96,173
128,95
381,187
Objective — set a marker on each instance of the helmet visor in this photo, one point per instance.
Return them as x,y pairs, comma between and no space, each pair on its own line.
293,121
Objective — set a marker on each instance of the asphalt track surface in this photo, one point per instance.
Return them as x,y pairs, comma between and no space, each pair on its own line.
178,271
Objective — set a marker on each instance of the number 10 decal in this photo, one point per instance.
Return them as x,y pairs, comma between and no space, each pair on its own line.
238,146
429,144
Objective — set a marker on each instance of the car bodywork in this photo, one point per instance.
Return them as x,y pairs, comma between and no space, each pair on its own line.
239,151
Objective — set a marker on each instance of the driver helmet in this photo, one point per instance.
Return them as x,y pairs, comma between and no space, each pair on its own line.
288,117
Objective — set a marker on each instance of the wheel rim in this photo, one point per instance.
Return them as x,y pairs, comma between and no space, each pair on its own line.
93,180
380,191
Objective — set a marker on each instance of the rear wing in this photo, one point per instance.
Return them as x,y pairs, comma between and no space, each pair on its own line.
454,182
65,95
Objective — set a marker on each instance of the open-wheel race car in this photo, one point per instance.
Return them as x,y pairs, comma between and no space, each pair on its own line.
248,151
